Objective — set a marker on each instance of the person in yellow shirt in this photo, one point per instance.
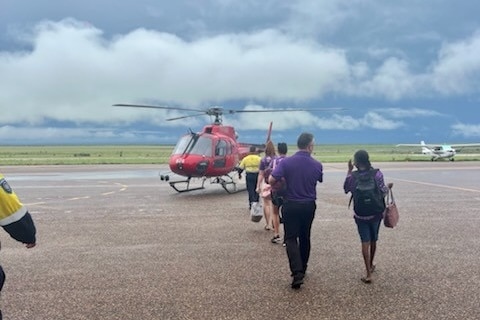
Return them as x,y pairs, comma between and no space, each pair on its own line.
15,220
251,164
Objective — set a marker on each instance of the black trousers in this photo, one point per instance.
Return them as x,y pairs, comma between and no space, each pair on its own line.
297,221
2,281
251,181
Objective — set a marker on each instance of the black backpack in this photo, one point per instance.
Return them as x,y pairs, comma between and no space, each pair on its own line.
367,197
279,188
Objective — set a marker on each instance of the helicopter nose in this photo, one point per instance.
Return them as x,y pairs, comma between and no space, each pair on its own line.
179,164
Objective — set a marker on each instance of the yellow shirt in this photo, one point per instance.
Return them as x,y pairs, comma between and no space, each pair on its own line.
11,209
250,163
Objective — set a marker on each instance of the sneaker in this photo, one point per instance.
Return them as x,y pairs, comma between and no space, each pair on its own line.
275,239
297,281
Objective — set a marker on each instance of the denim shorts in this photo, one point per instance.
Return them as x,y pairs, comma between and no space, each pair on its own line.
368,229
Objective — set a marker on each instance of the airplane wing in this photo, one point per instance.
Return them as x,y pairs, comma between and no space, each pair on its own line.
464,145
430,146
461,145
426,148
409,145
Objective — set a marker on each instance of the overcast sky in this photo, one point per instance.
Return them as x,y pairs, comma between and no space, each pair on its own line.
404,70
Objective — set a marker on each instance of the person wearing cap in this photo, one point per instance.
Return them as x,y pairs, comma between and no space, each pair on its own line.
367,226
15,220
301,173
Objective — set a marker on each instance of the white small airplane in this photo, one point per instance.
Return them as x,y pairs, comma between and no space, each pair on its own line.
439,151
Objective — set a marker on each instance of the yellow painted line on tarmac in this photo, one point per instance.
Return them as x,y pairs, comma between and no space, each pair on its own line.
439,185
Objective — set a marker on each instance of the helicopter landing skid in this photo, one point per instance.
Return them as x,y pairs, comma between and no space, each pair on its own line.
173,184
228,184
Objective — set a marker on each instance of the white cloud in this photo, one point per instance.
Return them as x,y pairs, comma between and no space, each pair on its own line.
392,80
27,135
76,71
75,74
377,121
408,112
458,67
324,17
323,120
466,130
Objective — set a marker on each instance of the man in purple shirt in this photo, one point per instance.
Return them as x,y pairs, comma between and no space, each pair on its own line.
301,173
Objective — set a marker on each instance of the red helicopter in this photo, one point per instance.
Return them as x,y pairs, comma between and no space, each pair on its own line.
214,153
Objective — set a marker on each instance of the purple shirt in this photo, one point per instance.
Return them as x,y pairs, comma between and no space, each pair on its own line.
265,162
301,173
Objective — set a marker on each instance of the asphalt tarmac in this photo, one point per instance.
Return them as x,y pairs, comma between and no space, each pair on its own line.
115,242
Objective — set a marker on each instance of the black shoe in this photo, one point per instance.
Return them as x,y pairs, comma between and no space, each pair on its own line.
297,281
276,239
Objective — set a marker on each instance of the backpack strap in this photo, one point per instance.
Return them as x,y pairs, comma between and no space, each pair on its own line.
354,175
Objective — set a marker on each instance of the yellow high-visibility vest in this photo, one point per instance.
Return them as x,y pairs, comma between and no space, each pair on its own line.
11,209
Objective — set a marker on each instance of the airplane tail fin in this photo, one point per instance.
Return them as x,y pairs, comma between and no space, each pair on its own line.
425,150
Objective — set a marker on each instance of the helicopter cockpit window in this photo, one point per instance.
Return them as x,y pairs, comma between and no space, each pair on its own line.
182,145
221,148
203,147
194,144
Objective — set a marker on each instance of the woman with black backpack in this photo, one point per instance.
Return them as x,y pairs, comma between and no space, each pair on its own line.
368,190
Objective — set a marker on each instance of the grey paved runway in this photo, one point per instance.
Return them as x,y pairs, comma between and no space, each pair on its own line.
114,242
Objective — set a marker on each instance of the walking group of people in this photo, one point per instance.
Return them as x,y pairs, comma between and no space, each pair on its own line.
258,171
299,174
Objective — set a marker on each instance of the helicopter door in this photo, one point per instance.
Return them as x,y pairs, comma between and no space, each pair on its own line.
221,150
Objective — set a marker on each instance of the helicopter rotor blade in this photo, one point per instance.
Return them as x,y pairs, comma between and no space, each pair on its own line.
285,110
183,117
155,107
217,111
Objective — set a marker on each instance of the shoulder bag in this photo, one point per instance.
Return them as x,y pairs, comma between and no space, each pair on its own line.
390,214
